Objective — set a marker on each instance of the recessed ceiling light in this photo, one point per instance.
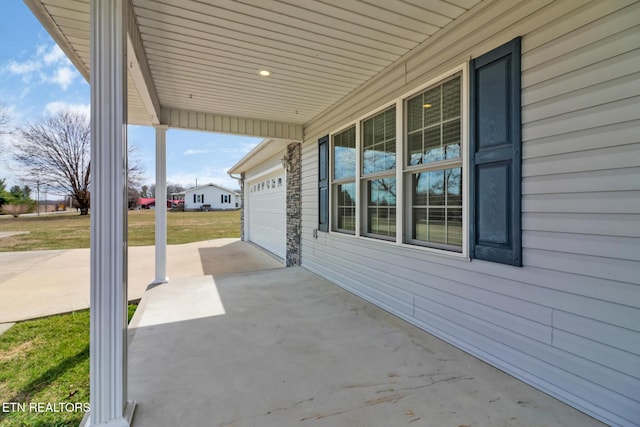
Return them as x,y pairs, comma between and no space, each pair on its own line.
427,105
264,73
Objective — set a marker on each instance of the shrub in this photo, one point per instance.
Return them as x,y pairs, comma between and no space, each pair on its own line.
17,209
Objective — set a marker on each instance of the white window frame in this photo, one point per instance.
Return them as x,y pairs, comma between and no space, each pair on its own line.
439,165
365,178
401,169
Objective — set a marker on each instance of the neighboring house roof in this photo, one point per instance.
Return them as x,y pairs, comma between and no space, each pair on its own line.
146,201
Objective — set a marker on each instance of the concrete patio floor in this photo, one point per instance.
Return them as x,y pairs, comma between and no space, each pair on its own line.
284,347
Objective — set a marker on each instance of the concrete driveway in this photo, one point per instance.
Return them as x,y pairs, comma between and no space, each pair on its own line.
41,283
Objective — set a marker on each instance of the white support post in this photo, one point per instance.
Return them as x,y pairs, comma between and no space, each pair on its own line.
161,205
108,354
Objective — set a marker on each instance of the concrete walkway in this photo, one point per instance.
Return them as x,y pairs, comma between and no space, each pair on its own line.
42,283
4,327
285,347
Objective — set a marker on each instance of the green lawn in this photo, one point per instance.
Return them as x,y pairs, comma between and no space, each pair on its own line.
46,361
70,230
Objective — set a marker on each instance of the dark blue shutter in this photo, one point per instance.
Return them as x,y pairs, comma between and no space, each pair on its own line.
202,198
495,156
194,197
323,183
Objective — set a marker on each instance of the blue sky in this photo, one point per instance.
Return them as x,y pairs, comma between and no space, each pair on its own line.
36,79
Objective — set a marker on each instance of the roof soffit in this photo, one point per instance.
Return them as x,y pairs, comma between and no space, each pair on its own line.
204,56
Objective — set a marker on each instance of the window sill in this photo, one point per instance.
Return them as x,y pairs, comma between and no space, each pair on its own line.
404,246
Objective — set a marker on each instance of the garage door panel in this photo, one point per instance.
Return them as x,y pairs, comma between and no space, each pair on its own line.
267,213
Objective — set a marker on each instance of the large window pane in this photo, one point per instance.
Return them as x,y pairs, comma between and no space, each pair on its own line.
381,207
433,120
344,154
436,208
379,142
346,206
433,135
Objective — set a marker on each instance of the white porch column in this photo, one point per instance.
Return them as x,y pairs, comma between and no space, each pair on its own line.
161,207
108,354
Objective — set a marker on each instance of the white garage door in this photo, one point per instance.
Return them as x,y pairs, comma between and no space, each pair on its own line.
267,213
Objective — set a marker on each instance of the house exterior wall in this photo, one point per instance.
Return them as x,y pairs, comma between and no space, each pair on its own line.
209,195
568,320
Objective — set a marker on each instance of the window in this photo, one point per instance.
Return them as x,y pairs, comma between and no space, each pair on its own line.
433,167
344,175
455,183
378,172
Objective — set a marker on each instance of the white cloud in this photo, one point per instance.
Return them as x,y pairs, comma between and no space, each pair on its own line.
64,77
54,55
27,67
58,106
193,151
49,63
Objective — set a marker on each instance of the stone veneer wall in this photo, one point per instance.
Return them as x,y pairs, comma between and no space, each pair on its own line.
294,200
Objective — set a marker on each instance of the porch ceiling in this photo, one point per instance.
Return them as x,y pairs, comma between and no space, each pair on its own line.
204,56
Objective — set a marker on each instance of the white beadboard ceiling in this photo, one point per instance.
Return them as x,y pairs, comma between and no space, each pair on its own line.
204,56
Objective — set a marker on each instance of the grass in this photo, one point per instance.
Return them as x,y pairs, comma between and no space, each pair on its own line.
46,361
70,230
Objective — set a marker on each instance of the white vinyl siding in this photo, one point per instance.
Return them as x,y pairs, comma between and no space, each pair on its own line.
209,195
568,321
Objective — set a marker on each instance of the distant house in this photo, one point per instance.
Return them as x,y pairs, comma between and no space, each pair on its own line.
146,203
208,196
150,203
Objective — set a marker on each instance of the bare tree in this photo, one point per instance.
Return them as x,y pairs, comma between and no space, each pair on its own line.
57,151
135,170
171,188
